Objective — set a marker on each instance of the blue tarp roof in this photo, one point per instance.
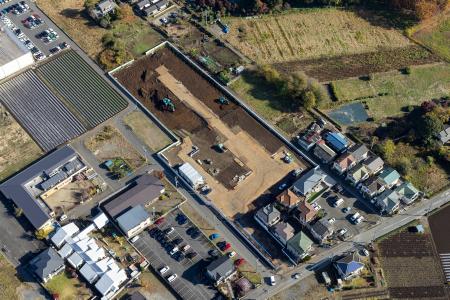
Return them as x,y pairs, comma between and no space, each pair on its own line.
337,140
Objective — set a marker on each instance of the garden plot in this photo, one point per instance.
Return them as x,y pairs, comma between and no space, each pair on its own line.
88,94
39,111
201,121
310,34
349,114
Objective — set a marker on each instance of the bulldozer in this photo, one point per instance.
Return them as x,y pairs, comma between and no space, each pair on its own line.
166,104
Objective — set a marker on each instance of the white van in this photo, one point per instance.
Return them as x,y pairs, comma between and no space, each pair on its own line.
172,277
338,202
272,280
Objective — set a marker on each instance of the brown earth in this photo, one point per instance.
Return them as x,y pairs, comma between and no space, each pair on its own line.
341,67
199,120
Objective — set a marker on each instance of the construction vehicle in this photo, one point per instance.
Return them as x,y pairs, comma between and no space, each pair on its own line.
221,148
167,105
223,101
288,158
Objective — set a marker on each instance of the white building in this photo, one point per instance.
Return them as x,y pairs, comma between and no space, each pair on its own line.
191,175
14,56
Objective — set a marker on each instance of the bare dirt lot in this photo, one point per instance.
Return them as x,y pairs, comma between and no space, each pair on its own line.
108,143
440,227
411,267
17,149
199,120
147,131
69,196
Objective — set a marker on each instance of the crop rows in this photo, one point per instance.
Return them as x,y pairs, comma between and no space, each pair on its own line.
39,111
93,99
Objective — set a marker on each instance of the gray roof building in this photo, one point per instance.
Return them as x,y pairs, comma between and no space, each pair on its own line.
444,135
359,152
142,191
220,269
309,182
268,215
15,188
322,229
132,218
46,264
374,164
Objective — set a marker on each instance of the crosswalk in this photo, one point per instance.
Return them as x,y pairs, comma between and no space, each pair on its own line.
445,261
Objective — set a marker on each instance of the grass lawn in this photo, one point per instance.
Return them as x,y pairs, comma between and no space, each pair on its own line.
8,280
67,288
147,131
310,34
17,149
264,100
437,37
134,32
386,94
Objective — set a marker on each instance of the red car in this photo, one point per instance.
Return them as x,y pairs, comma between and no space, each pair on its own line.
239,262
159,221
226,247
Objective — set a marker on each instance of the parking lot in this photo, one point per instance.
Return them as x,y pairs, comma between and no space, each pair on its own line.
32,33
342,219
191,282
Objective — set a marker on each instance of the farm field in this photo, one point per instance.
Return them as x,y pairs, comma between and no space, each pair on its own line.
147,131
310,34
201,121
439,228
410,266
87,93
108,143
263,99
436,36
71,17
17,149
39,111
388,94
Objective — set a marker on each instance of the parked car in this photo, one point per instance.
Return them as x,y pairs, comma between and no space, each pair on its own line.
181,219
342,231
173,251
282,186
134,239
272,280
185,248
191,255
331,220
346,209
355,216
296,276
177,241
214,236
172,278
359,220
164,269
338,202
196,234
169,231
159,221
178,256
239,262
365,252
191,230
231,254
213,252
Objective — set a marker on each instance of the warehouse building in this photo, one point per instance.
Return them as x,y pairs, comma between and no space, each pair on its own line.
134,221
14,56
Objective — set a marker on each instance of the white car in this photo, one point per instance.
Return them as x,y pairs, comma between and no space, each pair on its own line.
342,231
365,252
231,254
134,239
331,220
164,270
359,220
272,280
316,206
173,251
355,216
171,278
63,217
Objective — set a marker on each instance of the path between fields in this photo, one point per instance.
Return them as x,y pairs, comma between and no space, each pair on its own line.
266,170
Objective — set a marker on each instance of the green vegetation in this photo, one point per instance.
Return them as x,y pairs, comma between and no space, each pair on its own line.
437,38
67,288
8,280
388,94
119,167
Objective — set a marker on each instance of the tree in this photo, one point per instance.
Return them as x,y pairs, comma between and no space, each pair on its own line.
428,126
319,91
388,149
18,212
309,100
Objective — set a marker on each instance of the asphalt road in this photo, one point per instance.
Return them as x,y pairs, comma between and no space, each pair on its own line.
387,225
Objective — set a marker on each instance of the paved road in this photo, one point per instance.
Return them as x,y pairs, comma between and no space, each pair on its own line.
387,225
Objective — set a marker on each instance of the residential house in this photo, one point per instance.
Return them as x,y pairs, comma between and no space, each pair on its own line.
305,213
104,7
388,201
359,152
267,216
323,152
337,141
283,232
372,187
299,246
309,183
344,162
349,266
407,192
47,264
374,164
310,137
389,177
357,174
109,284
134,221
141,5
288,199
444,135
220,269
162,4
150,10
63,234
321,230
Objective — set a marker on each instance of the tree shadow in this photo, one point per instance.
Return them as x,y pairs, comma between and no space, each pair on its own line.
380,16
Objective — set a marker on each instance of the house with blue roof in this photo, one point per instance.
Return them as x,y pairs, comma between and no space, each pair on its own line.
407,192
337,141
389,177
349,266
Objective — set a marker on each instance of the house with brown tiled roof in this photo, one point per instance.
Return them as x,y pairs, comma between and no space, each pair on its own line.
344,162
288,199
283,232
305,213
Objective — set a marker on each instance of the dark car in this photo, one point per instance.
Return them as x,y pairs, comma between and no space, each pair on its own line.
177,241
196,234
221,244
179,256
63,45
153,231
191,255
191,230
181,219
213,252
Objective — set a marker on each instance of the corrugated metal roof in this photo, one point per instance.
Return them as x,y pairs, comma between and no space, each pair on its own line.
132,218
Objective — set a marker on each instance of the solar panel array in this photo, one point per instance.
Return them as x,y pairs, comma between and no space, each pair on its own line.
92,98
39,111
